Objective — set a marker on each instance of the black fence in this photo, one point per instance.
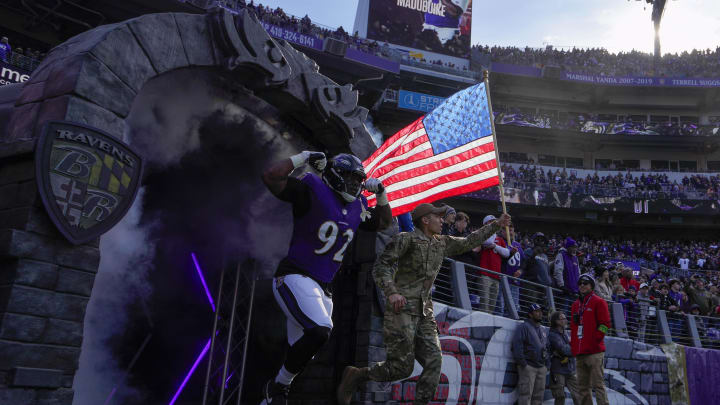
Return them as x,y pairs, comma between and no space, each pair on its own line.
470,287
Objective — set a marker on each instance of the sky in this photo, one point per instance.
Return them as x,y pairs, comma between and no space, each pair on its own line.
617,25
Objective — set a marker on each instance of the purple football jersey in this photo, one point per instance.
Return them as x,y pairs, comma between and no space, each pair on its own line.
321,236
514,261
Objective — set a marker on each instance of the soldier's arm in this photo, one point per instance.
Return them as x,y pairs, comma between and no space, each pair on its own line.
386,263
456,246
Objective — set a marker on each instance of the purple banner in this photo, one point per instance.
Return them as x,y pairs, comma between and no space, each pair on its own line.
640,81
703,374
291,36
372,60
516,69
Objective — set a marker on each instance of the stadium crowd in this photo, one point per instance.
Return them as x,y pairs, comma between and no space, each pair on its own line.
667,275
644,185
600,62
304,25
593,123
27,59
595,61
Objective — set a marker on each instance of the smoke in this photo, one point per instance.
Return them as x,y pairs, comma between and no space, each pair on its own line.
125,260
375,134
204,155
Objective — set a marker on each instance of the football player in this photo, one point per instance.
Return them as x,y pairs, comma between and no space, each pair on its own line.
327,212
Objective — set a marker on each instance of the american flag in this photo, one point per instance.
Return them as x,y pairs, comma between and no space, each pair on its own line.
449,151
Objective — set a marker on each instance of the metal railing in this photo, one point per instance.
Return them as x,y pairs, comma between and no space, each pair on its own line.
23,62
474,288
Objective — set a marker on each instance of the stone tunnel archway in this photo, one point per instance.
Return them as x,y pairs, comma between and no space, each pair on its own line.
94,79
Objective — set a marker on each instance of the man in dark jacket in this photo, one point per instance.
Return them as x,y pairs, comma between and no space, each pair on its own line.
529,348
590,322
537,267
562,362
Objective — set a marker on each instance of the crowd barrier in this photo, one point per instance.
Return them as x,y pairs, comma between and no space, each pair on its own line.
470,287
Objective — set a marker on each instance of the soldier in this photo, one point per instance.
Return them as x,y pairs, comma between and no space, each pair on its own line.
409,327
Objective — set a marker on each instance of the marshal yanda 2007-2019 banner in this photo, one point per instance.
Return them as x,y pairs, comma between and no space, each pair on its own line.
441,26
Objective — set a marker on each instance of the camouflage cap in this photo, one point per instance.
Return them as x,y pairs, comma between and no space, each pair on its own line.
425,208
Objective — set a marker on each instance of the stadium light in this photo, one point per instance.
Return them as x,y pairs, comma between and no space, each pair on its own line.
202,279
190,373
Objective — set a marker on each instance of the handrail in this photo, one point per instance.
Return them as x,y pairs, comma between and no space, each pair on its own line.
620,325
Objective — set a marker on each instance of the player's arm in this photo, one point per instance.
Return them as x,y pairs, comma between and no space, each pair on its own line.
382,210
276,176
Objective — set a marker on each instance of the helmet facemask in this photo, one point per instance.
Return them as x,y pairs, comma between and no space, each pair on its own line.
345,174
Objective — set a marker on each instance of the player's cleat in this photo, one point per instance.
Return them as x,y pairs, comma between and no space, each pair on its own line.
352,377
275,393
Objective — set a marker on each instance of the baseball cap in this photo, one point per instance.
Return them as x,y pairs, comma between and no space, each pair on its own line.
425,208
534,307
488,218
643,285
587,277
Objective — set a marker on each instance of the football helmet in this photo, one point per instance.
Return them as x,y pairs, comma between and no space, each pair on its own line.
345,174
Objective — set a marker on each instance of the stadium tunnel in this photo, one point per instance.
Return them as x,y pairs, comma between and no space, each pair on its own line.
208,101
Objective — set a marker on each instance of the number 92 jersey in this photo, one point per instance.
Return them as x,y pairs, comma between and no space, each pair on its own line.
324,225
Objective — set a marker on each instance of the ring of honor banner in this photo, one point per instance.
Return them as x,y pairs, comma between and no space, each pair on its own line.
441,26
544,197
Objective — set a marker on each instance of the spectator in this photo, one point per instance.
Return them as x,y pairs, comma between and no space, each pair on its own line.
567,267
538,266
529,347
627,279
492,252
603,289
675,294
699,320
698,295
643,300
514,266
684,262
448,221
590,323
562,362
461,228
5,49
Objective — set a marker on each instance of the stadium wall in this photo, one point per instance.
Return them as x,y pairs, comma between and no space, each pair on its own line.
477,364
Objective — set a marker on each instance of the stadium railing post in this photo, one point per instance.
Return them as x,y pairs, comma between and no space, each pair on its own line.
550,299
461,295
692,328
618,320
509,302
663,326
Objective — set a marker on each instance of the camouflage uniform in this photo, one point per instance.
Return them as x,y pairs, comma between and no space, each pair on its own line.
412,333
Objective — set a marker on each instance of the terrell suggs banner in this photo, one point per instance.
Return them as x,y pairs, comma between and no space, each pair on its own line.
441,26
542,197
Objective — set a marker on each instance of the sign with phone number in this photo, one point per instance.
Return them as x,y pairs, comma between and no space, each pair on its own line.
291,36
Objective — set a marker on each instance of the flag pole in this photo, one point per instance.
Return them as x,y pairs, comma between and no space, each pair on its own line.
486,75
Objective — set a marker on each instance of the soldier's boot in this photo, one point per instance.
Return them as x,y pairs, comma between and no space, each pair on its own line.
352,377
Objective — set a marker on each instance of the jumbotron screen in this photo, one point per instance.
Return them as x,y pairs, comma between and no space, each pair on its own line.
441,26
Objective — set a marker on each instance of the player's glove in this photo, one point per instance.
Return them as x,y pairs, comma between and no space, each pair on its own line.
375,186
317,160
